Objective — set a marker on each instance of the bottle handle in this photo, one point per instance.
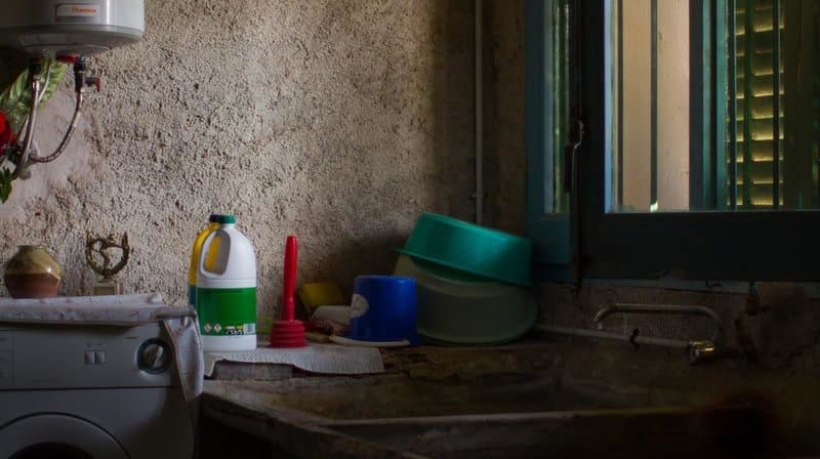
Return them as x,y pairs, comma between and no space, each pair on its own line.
203,254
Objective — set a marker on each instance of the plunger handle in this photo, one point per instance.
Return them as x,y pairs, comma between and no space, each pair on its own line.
289,288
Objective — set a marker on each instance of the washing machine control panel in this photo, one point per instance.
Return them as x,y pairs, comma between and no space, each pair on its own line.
85,357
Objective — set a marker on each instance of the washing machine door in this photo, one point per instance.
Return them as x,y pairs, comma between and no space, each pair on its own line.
57,436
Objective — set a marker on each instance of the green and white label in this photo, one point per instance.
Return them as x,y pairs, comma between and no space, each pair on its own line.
226,311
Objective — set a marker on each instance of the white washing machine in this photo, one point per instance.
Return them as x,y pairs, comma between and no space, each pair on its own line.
91,392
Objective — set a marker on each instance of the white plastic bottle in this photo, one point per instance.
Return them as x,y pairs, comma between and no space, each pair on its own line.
226,290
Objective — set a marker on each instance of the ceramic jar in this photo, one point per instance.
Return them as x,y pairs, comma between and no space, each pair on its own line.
32,273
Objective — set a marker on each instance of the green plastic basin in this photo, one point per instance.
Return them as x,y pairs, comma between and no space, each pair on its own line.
470,249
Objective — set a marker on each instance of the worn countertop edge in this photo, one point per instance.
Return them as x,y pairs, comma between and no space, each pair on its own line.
274,425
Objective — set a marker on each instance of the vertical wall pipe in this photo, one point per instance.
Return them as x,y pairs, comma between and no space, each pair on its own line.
479,112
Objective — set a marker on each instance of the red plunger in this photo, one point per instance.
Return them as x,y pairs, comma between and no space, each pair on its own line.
288,332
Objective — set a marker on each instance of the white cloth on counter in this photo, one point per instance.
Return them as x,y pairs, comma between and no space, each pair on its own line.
114,310
179,323
314,358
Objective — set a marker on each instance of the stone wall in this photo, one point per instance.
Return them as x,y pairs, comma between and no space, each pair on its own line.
338,121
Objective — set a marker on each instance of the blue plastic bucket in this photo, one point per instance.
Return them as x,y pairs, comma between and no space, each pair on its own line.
383,309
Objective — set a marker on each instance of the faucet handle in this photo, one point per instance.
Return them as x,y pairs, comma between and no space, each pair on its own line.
699,351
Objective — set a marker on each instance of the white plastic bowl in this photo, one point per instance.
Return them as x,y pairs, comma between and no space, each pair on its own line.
460,311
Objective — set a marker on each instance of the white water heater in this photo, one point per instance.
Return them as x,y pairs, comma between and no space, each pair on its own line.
60,28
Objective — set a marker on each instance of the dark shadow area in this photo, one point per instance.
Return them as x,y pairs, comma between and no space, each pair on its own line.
454,106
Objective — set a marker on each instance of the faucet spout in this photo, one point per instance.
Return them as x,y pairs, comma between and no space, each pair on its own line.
666,309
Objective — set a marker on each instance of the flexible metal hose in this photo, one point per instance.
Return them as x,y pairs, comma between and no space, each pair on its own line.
75,121
32,120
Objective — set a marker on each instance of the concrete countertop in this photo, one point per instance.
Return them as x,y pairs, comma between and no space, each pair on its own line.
614,374
255,406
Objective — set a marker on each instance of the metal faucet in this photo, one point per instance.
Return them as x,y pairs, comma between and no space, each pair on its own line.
697,350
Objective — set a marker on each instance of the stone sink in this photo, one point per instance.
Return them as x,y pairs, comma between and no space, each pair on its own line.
526,401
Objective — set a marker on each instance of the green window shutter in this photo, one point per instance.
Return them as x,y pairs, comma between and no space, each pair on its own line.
756,40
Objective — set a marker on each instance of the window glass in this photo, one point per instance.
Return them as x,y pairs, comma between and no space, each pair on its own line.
716,105
558,104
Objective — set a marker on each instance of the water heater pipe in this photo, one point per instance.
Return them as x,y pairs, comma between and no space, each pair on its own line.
26,154
81,80
30,123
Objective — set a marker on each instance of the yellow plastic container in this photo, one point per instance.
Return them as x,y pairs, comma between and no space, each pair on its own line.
315,294
196,252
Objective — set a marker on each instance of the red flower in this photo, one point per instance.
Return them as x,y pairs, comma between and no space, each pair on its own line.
7,136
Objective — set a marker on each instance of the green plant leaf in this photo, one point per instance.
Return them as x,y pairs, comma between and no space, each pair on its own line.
5,185
15,99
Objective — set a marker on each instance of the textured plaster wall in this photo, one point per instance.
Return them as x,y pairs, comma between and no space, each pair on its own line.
505,171
334,120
